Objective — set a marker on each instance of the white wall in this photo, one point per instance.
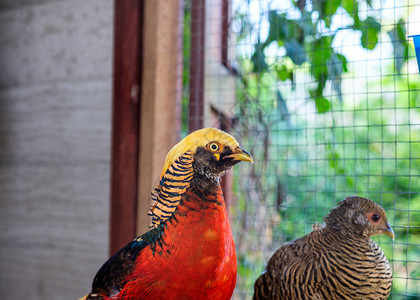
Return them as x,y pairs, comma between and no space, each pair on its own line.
55,127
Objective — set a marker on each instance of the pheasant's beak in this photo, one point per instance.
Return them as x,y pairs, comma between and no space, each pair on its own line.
241,154
389,231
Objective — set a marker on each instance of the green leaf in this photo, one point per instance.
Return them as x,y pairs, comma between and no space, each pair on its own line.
282,107
369,38
400,44
326,9
351,7
320,56
370,32
322,105
333,158
283,73
343,61
337,64
258,59
278,27
319,61
330,8
305,22
283,29
295,51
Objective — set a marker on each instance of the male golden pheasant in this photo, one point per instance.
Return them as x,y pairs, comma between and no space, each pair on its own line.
189,253
339,261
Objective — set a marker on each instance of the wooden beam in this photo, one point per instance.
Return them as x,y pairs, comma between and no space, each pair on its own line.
196,104
126,109
160,113
225,33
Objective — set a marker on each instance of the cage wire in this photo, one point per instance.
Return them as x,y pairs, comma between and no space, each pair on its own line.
327,100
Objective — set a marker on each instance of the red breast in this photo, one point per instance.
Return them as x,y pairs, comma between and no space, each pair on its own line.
197,259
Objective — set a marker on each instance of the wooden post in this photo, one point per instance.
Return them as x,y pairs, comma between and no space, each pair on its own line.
196,105
146,112
225,33
160,114
126,110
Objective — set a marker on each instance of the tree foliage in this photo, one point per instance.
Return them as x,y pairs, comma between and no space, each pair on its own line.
309,39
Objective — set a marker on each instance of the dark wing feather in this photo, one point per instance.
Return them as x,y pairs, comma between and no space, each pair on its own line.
110,278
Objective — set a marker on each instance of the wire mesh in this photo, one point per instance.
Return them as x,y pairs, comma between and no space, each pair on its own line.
327,100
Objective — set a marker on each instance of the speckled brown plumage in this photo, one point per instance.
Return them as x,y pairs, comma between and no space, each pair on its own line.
338,261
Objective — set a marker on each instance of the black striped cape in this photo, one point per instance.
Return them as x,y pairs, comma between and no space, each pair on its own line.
174,182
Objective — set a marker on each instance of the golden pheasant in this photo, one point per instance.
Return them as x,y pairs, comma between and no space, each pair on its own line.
338,261
189,253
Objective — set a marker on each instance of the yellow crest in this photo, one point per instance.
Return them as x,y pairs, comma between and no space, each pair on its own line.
177,171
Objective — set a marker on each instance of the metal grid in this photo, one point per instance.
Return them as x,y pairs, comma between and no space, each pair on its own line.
314,144
359,136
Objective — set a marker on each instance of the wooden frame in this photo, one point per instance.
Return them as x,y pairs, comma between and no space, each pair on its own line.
196,104
225,33
145,108
126,113
160,120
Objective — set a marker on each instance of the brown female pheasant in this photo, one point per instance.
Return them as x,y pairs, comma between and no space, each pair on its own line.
338,261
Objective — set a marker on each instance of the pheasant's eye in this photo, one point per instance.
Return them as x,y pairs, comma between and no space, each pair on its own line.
214,147
375,217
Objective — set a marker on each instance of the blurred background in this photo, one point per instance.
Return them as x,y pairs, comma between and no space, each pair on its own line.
324,94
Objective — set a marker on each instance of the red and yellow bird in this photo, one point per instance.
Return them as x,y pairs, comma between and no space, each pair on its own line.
189,253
